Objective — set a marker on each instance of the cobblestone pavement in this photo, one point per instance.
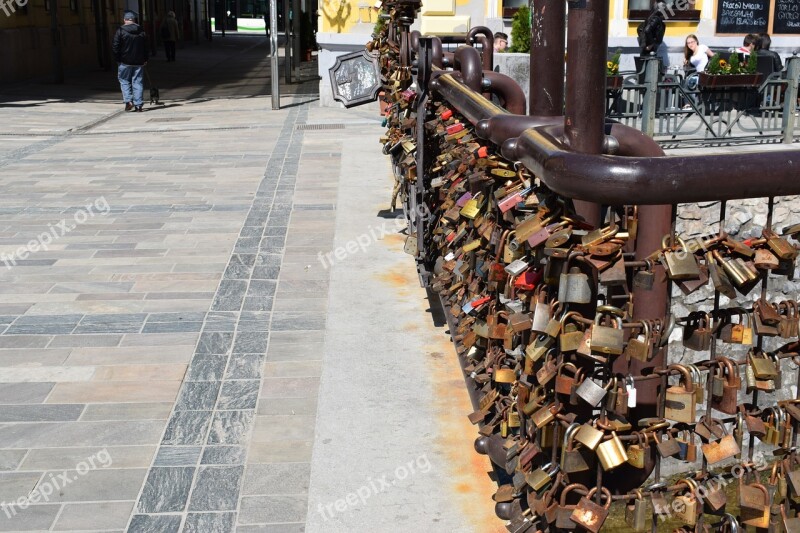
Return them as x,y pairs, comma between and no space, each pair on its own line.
167,359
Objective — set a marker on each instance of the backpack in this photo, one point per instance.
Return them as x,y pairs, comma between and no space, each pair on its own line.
165,31
640,38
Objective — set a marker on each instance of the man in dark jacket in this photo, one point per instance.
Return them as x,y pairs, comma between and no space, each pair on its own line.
762,49
130,51
651,35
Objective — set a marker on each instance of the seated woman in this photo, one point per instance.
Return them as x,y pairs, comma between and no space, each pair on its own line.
696,58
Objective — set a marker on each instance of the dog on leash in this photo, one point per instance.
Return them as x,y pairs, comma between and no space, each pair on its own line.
154,96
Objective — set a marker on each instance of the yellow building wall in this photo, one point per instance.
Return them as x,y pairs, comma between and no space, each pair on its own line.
341,16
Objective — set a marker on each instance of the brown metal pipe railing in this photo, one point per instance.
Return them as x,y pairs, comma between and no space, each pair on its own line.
616,180
467,60
507,89
485,37
547,61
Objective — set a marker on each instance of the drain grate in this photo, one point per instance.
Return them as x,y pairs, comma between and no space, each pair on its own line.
319,127
172,119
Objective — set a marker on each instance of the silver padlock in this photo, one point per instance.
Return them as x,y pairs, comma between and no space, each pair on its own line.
574,286
591,392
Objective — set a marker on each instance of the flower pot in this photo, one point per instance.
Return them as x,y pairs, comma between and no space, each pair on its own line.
613,82
711,81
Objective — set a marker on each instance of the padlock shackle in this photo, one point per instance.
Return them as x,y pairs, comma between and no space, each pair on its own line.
569,488
686,376
604,492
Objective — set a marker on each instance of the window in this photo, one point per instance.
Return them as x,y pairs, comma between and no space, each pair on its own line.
676,9
510,7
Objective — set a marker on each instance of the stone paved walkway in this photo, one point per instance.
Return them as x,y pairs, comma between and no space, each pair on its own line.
174,356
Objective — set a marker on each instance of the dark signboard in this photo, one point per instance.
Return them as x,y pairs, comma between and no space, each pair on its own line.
786,16
743,16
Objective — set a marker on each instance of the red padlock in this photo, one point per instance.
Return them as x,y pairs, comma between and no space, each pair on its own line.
483,151
446,114
455,128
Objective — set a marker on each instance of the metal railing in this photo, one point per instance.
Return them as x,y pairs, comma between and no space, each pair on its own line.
674,114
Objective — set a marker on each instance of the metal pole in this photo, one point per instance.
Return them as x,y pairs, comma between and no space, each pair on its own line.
274,73
287,30
650,95
790,98
58,67
547,58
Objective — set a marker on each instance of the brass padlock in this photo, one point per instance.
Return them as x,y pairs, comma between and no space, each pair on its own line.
699,386
724,448
606,339
589,436
636,452
541,477
644,278
611,453
680,265
571,332
754,502
636,512
719,278
680,399
687,510
697,331
779,246
763,367
590,515
566,382
640,347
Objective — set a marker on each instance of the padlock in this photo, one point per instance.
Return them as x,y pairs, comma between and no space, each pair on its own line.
636,452
606,339
727,403
614,275
765,260
548,370
636,512
754,504
519,322
566,381
612,395
541,311
541,477
668,447
590,515
763,367
685,505
699,386
724,448
611,453
697,331
776,483
779,246
574,286
719,278
572,460
600,235
713,498
755,426
680,399
563,515
591,392
544,415
589,436
790,525
736,270
737,333
645,278
571,332
640,347
680,265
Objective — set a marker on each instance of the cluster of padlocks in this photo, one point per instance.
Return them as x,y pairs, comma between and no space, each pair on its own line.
578,407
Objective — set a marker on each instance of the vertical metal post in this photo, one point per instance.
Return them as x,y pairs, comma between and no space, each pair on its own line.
58,66
287,30
274,73
790,98
650,95
547,58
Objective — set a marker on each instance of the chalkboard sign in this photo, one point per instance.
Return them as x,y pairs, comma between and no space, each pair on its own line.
786,16
743,16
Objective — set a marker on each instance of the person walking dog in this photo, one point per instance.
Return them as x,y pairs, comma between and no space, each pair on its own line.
130,50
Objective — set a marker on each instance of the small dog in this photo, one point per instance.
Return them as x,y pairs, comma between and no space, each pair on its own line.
154,96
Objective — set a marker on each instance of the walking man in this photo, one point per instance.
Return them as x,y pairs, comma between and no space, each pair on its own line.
130,50
170,33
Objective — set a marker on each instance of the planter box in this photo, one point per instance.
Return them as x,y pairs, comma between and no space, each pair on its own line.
729,80
613,82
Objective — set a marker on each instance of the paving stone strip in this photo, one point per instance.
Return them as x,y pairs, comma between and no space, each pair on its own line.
196,476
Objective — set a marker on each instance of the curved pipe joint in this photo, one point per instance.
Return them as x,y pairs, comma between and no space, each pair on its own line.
507,89
485,37
480,30
414,37
437,52
618,180
467,60
448,59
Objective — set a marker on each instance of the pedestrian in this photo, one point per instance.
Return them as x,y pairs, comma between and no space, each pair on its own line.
170,33
762,49
130,51
651,35
748,45
500,42
266,23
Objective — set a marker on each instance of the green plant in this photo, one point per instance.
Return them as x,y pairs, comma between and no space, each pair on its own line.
380,24
715,65
750,67
733,67
521,31
612,66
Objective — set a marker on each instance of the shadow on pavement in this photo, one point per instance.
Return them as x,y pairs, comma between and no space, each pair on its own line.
231,66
